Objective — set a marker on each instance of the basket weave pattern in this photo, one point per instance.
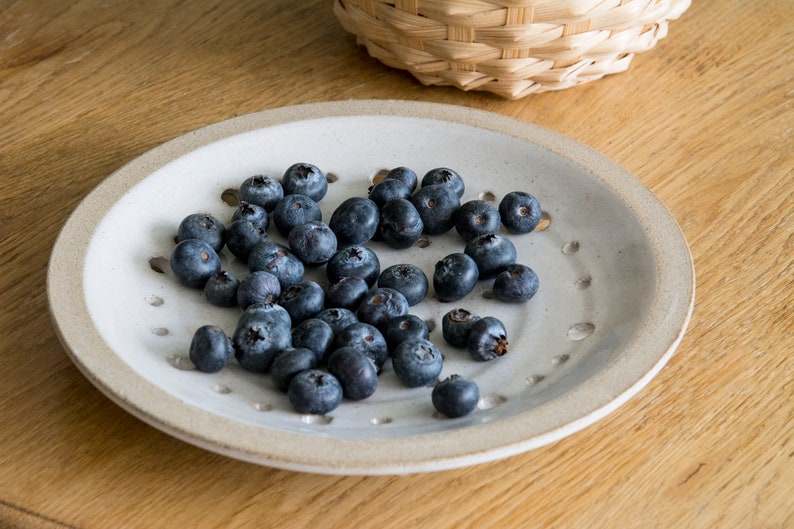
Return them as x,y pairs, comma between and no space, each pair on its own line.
509,47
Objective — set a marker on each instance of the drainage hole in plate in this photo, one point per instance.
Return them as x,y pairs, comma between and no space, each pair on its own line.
316,419
159,264
491,401
580,331
231,197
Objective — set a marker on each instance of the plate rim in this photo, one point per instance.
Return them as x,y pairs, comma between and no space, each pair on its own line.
624,377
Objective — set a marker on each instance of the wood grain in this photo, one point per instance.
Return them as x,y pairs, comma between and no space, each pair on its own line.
705,120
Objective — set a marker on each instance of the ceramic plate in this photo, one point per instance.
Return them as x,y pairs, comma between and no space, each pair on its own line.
616,288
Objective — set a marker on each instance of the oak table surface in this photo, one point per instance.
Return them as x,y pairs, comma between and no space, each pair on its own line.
705,120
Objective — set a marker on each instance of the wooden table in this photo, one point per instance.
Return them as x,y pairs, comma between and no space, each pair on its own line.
705,119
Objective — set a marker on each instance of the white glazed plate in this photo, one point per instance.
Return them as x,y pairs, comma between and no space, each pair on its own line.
616,289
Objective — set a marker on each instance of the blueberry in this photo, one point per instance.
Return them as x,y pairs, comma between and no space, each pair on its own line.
359,261
202,226
516,284
355,221
417,362
388,189
405,175
210,349
356,372
269,256
454,276
313,242
455,327
221,289
520,212
337,317
400,223
380,305
305,179
302,300
294,210
242,235
193,262
405,327
253,212
347,292
262,190
476,217
258,338
258,287
316,335
492,253
455,396
487,339
406,278
365,338
289,363
436,205
446,177
314,392
257,310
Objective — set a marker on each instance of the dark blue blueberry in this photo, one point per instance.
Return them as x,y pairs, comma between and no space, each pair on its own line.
210,349
475,218
359,261
257,310
444,176
454,277
400,223
221,289
388,189
365,338
259,338
264,191
294,210
258,287
355,221
520,212
305,179
269,256
487,339
516,284
314,334
313,242
241,237
314,392
302,300
455,396
417,362
253,212
405,175
436,205
289,363
202,226
380,305
337,317
193,262
492,253
406,278
355,371
346,293
455,327
405,327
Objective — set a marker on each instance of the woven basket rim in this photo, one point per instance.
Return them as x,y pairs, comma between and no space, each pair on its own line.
509,47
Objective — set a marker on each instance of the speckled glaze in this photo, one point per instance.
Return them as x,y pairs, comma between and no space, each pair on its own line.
616,289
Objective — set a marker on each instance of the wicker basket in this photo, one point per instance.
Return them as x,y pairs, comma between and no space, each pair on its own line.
509,47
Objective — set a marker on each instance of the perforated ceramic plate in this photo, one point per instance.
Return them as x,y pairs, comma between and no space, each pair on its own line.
616,289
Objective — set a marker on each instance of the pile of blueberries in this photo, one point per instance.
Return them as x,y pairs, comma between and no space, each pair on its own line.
323,343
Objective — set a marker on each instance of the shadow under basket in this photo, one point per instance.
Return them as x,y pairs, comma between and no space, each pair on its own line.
511,48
